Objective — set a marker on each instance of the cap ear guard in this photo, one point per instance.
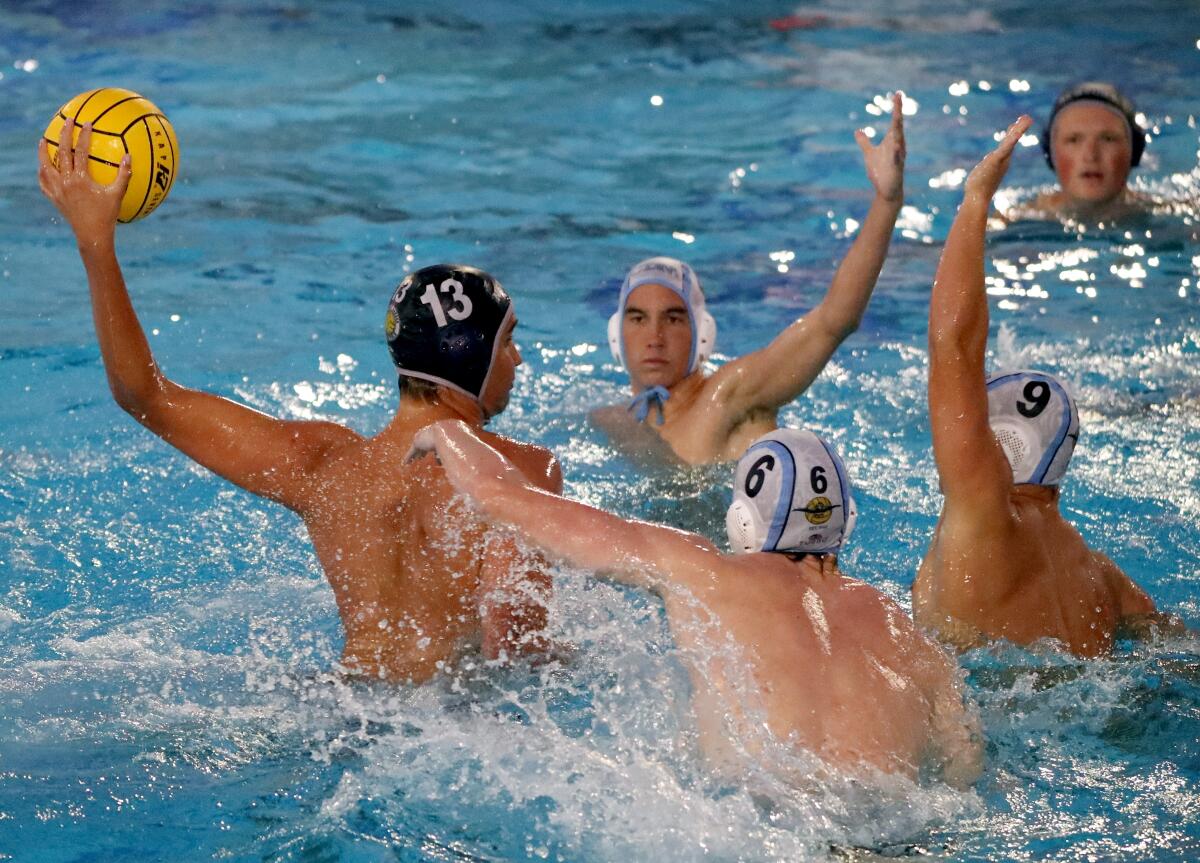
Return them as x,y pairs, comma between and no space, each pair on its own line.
706,338
1033,417
614,337
743,527
851,521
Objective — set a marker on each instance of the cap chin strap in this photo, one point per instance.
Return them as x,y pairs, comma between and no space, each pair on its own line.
640,405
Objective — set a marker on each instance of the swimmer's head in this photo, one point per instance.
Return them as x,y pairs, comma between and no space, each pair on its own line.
661,290
448,324
1100,95
790,494
1033,416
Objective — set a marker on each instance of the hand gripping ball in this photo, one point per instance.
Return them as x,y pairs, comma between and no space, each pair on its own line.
123,122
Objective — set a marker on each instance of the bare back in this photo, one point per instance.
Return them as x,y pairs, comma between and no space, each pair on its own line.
840,668
1003,562
1022,576
837,667
407,563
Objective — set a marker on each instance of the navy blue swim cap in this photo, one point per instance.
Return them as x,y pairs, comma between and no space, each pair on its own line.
1108,95
443,326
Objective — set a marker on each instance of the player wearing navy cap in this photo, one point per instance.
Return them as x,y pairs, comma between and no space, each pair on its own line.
1091,140
416,580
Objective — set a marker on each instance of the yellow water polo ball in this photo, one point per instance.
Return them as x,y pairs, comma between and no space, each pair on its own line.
123,122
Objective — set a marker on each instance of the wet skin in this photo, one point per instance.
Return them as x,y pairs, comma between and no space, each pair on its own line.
417,580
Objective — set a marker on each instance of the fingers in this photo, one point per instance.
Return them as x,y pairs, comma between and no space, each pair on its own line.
66,138
1013,134
83,147
43,151
124,171
48,180
864,143
897,127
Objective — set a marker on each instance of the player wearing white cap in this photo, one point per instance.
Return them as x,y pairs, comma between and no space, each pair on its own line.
1003,562
830,663
661,333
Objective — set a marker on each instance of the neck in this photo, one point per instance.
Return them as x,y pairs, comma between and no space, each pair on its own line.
685,386
816,565
1041,494
416,413
1097,211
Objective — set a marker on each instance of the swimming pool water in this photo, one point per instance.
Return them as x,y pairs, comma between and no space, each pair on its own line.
165,639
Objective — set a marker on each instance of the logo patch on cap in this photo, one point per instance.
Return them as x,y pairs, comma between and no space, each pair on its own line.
818,510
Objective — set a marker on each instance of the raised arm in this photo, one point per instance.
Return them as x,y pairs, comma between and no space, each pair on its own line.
770,378
633,552
971,465
264,455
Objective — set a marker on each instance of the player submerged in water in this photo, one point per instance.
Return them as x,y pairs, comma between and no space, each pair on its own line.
1003,562
1092,140
834,666
416,580
662,334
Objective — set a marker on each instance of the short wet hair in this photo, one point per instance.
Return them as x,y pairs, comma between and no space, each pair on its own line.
417,388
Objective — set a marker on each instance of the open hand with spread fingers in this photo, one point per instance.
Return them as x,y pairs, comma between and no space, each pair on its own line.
90,208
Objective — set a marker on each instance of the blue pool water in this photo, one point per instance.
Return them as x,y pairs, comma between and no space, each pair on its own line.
165,638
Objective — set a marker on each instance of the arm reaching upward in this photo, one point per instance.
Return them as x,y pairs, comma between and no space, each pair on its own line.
971,465
633,552
264,455
772,377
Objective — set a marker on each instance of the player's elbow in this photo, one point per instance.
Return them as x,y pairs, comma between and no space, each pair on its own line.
950,342
138,398
847,327
836,323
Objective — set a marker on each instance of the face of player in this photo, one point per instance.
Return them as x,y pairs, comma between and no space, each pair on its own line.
656,336
1091,150
500,382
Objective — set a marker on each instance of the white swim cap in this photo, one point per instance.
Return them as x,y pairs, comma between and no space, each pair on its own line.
678,277
1034,418
790,493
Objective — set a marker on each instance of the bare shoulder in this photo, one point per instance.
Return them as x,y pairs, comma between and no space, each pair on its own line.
971,520
539,464
1133,600
693,561
321,440
326,434
609,417
1042,207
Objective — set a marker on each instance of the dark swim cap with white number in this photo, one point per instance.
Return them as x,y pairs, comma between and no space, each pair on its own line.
443,326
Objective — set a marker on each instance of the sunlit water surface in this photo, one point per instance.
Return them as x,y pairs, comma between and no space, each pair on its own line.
166,640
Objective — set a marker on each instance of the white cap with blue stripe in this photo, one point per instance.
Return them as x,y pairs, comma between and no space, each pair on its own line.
677,276
790,494
1033,416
